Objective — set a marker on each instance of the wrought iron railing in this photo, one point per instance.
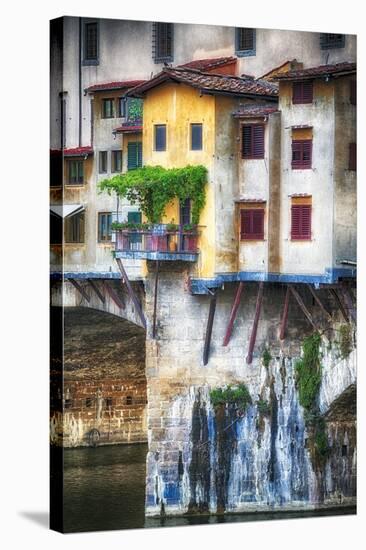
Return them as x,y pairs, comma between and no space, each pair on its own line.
157,239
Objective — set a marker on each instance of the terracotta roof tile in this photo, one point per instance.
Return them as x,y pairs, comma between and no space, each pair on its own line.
205,64
209,83
117,85
78,151
251,110
323,70
128,129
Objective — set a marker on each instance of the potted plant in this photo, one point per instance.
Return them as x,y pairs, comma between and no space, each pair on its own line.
190,237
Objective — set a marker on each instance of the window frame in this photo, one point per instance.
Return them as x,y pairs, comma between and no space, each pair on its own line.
192,126
298,96
239,52
108,226
114,153
104,102
251,236
139,152
122,101
301,236
301,164
92,60
79,162
252,155
159,56
103,155
327,44
80,231
160,150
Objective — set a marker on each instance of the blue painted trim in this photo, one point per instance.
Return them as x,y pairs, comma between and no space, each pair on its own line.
330,276
85,275
164,256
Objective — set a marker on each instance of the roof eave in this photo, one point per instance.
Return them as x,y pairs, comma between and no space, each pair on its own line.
205,91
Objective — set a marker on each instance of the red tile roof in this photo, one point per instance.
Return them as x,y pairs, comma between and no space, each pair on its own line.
206,64
251,111
125,129
209,83
78,151
323,70
117,85
256,201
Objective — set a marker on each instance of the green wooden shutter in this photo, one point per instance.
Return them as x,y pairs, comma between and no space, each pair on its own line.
135,217
134,155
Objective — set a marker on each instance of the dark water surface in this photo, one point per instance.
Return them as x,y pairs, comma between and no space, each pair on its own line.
104,488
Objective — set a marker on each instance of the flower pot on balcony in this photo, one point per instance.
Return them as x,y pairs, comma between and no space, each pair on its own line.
190,242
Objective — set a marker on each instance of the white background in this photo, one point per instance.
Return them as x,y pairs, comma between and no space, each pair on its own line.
24,275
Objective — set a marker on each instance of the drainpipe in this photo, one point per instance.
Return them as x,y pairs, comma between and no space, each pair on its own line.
80,90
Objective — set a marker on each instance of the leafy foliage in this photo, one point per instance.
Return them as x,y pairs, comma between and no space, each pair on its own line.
308,372
154,187
266,357
231,395
345,341
263,407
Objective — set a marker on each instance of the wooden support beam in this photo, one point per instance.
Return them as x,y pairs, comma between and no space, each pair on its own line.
113,294
285,314
303,306
210,320
97,291
233,313
319,302
337,297
131,292
348,300
80,289
155,298
253,336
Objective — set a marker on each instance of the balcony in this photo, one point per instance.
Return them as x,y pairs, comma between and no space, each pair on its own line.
157,242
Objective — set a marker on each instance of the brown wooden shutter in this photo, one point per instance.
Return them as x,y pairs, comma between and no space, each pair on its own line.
352,156
246,142
301,222
302,92
253,141
301,153
258,141
353,92
252,224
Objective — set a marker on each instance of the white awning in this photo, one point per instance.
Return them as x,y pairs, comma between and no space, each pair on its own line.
65,210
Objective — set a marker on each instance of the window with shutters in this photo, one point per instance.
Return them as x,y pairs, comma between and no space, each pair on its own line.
74,228
352,163
353,92
91,43
302,92
196,137
134,155
252,224
122,107
301,153
103,162
252,142
163,42
104,226
116,161
108,108
329,40
300,222
245,39
75,172
160,137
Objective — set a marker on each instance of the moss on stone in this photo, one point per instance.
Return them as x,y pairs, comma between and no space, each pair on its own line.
231,395
308,372
266,357
345,340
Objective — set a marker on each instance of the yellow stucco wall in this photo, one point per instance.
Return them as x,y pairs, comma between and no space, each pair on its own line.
178,106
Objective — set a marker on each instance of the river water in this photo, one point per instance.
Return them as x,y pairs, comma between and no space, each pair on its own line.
104,488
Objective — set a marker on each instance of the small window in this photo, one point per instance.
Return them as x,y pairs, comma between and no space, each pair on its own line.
129,400
252,224
328,41
74,228
252,143
75,172
196,137
300,222
302,92
163,38
245,41
116,161
353,92
56,169
68,403
134,110
104,226
135,238
103,162
344,450
107,108
88,402
121,107
352,163
185,212
160,137
134,155
91,44
109,402
301,154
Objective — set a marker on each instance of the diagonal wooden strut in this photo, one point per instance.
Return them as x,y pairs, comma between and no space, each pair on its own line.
303,307
349,302
131,292
233,313
334,293
210,320
319,302
155,298
113,294
253,336
97,291
285,314
80,289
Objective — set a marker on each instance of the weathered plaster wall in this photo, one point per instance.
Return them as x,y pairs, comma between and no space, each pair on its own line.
312,256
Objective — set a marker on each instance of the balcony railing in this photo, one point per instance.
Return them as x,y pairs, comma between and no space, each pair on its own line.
158,242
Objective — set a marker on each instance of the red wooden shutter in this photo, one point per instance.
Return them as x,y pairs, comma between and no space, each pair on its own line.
302,153
258,141
252,224
258,224
301,222
246,144
302,92
253,141
352,156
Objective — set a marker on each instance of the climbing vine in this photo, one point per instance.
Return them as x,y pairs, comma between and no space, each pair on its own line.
154,187
345,340
308,372
231,395
266,357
